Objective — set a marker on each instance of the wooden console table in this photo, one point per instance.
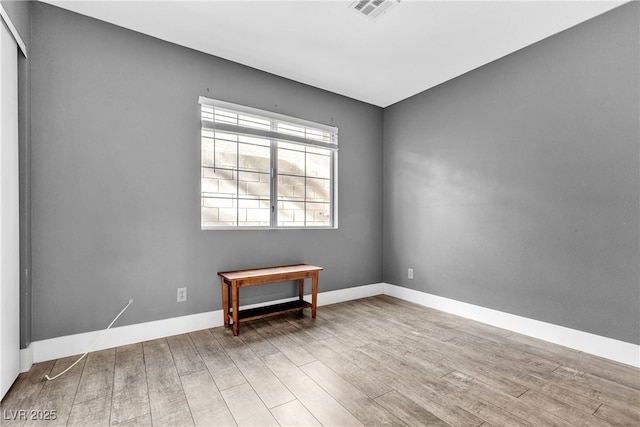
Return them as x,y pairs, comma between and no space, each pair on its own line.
232,281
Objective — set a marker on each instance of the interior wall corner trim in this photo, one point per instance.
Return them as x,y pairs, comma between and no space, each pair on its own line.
597,345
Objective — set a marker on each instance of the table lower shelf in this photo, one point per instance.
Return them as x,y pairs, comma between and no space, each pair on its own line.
270,310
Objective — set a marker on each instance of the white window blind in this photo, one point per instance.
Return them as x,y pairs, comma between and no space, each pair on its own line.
265,170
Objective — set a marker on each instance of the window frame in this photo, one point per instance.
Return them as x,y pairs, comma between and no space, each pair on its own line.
274,138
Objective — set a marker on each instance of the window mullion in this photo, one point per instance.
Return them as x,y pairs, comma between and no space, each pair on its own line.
305,186
274,178
237,182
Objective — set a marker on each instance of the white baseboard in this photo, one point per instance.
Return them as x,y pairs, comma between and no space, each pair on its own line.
70,345
77,344
349,294
55,348
26,358
612,349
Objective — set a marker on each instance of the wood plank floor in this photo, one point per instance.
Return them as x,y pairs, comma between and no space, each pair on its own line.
374,361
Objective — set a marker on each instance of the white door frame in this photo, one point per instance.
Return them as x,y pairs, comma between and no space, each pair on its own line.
9,210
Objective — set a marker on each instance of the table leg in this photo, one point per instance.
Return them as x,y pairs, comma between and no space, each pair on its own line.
314,294
301,289
235,307
225,303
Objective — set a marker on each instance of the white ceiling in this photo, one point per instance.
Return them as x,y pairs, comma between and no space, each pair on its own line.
415,45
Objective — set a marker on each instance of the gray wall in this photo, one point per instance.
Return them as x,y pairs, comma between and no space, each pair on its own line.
115,179
515,186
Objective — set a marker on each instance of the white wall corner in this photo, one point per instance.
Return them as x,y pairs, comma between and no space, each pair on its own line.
608,348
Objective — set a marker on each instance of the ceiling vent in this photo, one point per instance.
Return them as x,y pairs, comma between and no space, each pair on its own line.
372,8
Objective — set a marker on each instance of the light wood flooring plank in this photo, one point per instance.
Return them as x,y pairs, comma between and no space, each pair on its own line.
23,394
270,389
430,392
311,327
497,408
435,396
92,405
323,407
585,404
561,410
413,319
610,370
409,411
222,369
339,344
616,417
141,421
360,378
130,401
293,414
359,404
492,350
246,407
286,345
253,339
207,406
97,376
625,403
474,365
285,325
58,395
185,355
166,396
600,383
597,366
343,327
486,410
91,413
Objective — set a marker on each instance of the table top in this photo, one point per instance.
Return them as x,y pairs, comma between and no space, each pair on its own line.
269,271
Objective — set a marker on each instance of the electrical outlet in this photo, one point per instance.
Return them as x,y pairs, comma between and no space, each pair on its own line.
182,294
410,273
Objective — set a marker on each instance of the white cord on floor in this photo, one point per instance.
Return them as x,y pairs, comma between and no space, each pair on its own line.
90,348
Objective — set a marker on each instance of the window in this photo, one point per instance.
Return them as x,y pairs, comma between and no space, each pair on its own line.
265,170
